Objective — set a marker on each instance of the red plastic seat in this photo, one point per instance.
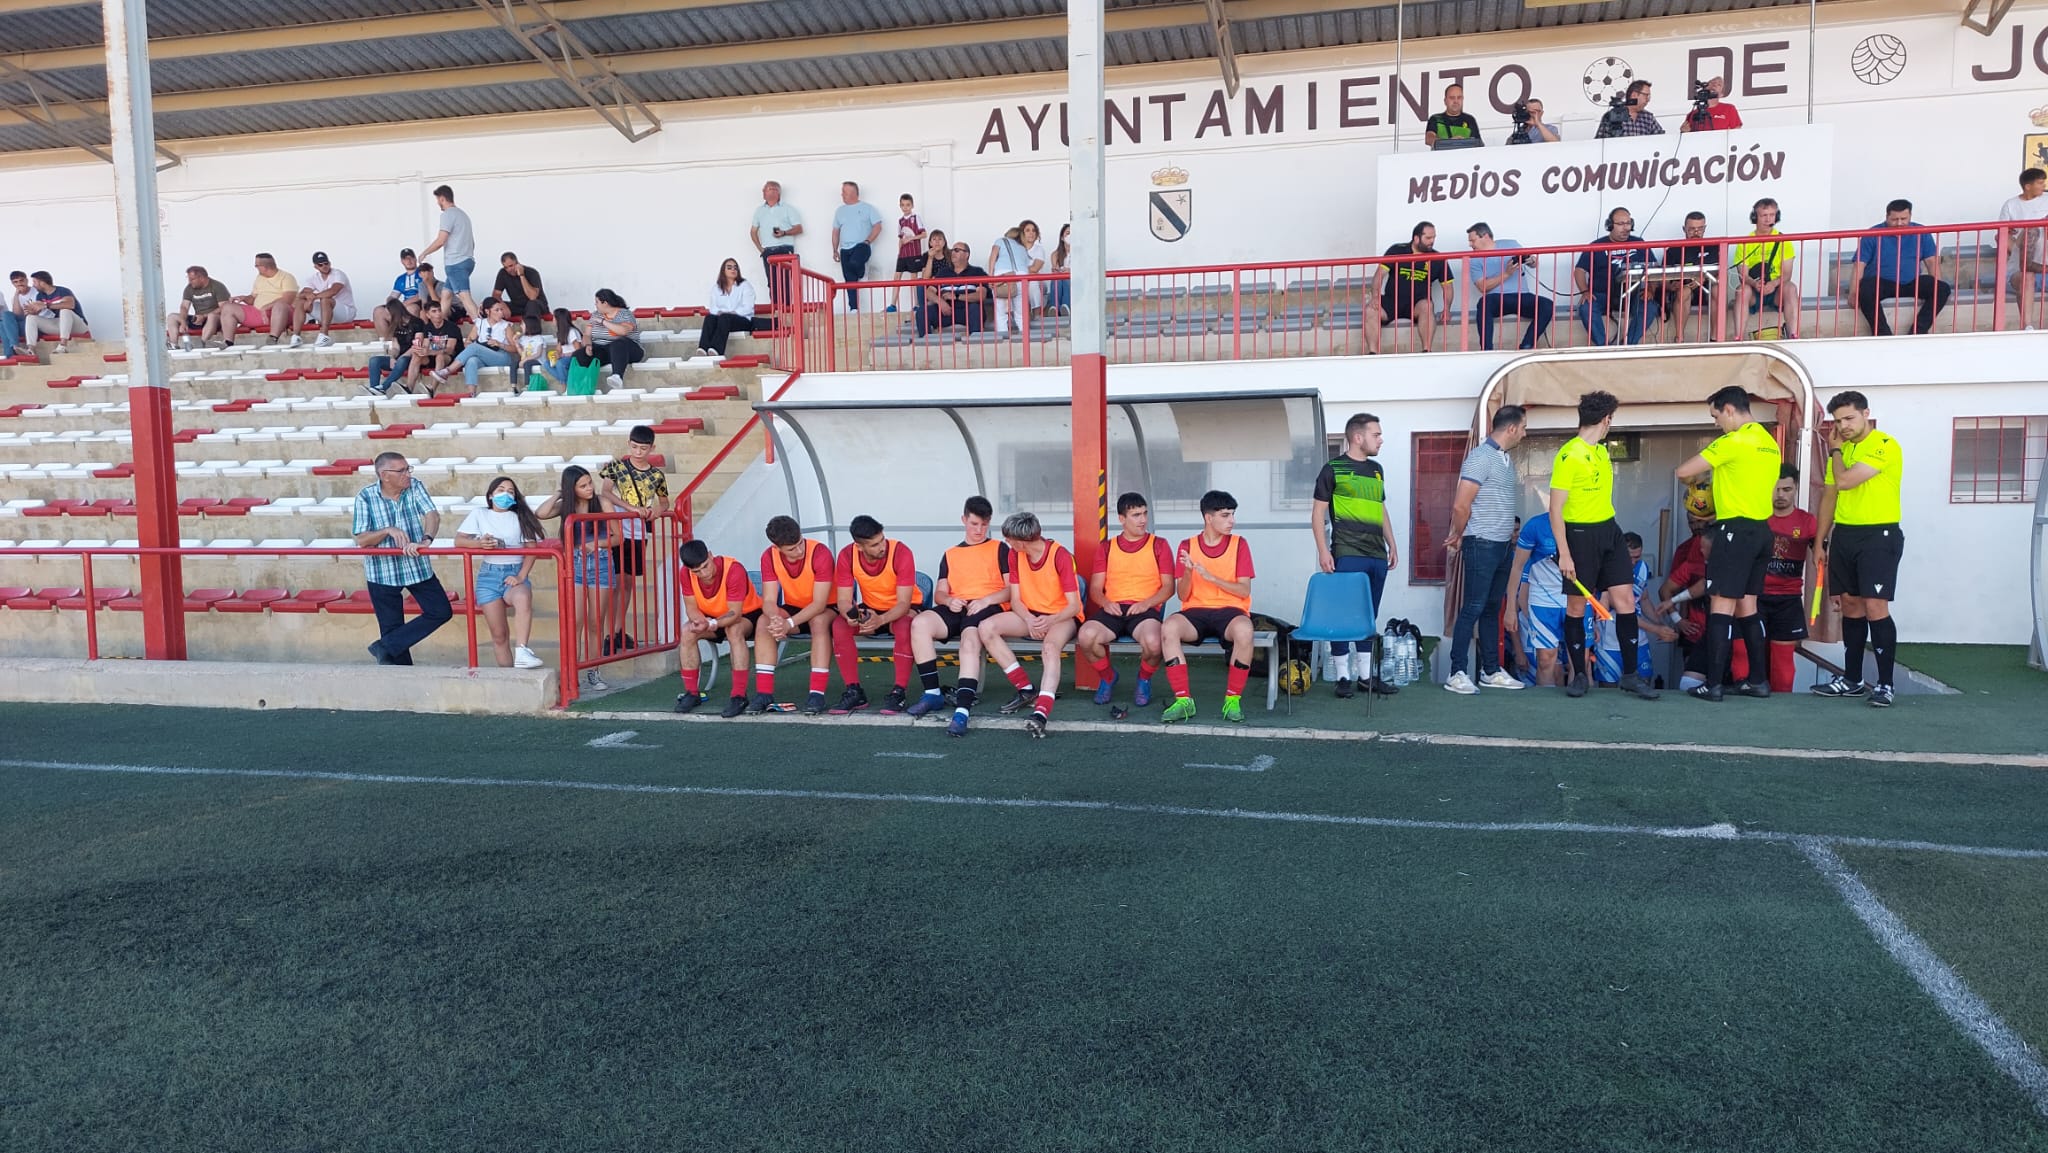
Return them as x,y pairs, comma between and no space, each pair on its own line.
227,510
646,313
12,592
27,603
44,510
66,501
251,601
115,358
287,374
188,435
249,501
122,471
86,510
57,592
125,604
356,603
76,603
306,601
199,600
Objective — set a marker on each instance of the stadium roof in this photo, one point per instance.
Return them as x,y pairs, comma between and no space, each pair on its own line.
236,67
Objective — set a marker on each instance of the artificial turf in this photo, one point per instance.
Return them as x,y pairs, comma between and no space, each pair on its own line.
279,964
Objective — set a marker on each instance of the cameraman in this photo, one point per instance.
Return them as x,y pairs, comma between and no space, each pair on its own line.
1632,116
1709,112
1530,127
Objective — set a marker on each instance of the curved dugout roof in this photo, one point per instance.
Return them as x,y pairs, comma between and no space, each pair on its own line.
240,67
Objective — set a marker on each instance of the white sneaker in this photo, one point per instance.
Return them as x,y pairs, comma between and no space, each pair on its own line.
296,342
614,381
1501,679
594,682
1461,684
62,349
324,341
523,658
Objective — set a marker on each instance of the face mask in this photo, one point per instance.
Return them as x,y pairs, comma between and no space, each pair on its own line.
503,500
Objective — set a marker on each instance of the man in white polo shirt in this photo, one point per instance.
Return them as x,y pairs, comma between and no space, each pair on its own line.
776,227
326,300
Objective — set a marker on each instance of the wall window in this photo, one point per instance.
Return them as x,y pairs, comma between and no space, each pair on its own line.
1438,456
1294,481
1997,459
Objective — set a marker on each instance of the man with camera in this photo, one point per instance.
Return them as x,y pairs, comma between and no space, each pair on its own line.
1629,114
1530,127
1709,112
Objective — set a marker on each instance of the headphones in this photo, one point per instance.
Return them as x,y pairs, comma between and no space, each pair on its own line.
1609,224
1759,207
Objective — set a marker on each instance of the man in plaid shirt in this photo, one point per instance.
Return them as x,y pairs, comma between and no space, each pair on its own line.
396,512
1636,119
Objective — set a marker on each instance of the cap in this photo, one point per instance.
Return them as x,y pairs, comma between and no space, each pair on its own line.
319,258
404,252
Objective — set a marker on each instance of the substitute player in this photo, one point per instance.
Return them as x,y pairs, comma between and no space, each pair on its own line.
1045,605
1783,605
1861,543
876,580
1592,554
1745,461
719,600
971,588
1354,532
796,578
1213,578
1126,600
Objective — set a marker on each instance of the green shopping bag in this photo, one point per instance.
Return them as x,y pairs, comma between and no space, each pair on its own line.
583,377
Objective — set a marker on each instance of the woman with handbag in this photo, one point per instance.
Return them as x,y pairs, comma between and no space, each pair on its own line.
1018,253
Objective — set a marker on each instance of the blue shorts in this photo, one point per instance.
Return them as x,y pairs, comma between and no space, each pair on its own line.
490,582
456,275
594,571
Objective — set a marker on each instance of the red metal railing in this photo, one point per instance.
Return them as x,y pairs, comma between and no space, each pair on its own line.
1681,290
615,614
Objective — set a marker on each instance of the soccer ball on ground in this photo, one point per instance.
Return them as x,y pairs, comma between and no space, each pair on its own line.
1294,678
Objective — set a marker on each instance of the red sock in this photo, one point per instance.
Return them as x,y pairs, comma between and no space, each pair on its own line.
1177,676
819,679
1146,669
905,664
1044,706
1018,678
690,680
764,679
1234,687
1783,667
1102,668
843,648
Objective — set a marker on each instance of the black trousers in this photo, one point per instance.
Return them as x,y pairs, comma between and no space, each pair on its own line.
720,326
617,354
1932,294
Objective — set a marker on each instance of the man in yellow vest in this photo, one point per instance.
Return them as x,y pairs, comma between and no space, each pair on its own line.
1592,554
1861,543
1745,461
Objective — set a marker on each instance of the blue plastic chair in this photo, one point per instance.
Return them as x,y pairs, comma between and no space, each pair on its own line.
1338,608
924,586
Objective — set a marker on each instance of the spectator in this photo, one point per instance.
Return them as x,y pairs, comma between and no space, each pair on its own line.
438,349
270,306
1717,115
731,309
938,260
50,306
1678,298
589,543
854,218
459,238
1783,604
1899,266
199,309
1503,282
496,345
1059,294
1539,130
1452,123
409,331
1602,281
910,256
11,302
2030,271
406,285
519,286
1764,274
1539,600
776,227
614,336
507,523
1354,531
1633,118
632,483
329,294
1408,290
1482,538
1020,253
963,300
552,360
397,513
431,287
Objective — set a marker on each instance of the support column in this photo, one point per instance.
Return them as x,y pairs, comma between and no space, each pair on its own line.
142,316
1090,367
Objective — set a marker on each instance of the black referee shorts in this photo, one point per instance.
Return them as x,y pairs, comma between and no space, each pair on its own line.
1742,548
1784,617
1600,555
1863,560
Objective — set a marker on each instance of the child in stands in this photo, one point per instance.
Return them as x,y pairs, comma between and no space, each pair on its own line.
506,523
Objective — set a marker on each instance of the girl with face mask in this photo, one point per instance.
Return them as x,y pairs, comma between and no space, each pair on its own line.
506,523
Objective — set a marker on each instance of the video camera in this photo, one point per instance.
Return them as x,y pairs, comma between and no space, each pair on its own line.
1520,115
1701,93
1616,116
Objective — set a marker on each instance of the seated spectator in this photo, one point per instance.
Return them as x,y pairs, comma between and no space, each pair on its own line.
938,260
1453,123
519,286
12,298
1763,271
1059,294
960,302
495,345
910,255
1899,266
536,347
1016,253
406,334
1717,116
431,287
270,306
1602,280
200,310
1677,298
50,307
554,363
507,523
406,285
731,309
1407,290
1503,281
2030,245
614,336
329,296
437,346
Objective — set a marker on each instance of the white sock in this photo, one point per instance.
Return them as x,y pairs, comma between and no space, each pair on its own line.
1361,664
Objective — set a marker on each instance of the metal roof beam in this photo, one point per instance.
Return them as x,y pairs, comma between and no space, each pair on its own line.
586,75
49,112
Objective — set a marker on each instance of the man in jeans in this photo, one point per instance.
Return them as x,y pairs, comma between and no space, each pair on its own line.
396,512
855,226
774,232
1483,537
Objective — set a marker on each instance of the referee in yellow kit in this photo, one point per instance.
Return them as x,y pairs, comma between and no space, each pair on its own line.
1746,461
1861,543
1591,552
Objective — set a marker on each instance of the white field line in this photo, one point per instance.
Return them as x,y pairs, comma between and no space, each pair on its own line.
1720,832
1300,733
2006,1048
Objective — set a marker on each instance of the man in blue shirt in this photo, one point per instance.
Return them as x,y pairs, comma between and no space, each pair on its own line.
397,513
1889,267
1602,280
1503,280
855,225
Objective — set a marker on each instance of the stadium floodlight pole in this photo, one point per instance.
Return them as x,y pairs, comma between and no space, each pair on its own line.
1086,261
133,142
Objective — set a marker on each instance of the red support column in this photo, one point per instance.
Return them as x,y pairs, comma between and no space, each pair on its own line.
156,518
1091,475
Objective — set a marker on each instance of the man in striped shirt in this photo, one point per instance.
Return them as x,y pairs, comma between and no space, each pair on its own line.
1482,536
396,512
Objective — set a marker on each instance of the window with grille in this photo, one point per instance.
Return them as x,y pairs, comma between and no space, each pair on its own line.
1438,456
1997,459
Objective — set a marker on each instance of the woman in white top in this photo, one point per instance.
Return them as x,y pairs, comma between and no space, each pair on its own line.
1019,252
507,523
731,309
1059,295
496,345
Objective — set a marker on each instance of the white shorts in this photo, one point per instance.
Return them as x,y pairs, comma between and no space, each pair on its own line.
343,313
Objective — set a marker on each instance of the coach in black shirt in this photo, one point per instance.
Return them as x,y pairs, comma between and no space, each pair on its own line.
1451,123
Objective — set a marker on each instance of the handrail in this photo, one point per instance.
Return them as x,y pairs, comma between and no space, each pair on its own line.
683,510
